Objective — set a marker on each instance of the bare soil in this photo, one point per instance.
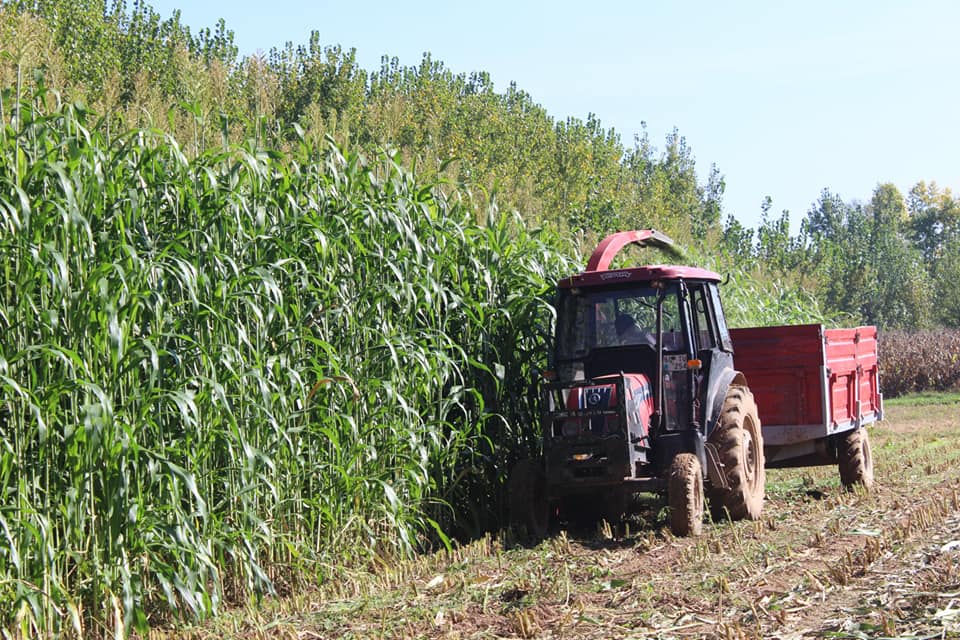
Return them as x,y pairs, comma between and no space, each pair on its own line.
821,562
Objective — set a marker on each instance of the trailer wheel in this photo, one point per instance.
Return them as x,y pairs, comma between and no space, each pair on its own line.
527,499
856,463
739,444
685,495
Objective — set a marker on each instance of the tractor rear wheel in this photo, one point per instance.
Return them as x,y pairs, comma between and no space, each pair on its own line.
739,444
685,495
527,499
856,463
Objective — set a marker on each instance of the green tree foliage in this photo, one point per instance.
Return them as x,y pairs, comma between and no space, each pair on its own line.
934,222
934,218
576,175
98,39
323,82
903,291
866,260
945,277
776,249
736,243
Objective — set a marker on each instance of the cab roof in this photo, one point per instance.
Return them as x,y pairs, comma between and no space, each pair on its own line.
646,274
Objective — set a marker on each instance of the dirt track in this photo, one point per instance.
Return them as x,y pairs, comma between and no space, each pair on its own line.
820,563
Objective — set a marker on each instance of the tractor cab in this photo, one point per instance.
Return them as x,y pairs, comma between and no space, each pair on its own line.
641,369
642,345
643,321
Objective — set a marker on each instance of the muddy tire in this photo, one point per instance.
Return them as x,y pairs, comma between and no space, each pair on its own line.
527,499
685,495
855,460
739,443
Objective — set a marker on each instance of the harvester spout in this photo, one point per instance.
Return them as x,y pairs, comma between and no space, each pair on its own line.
610,246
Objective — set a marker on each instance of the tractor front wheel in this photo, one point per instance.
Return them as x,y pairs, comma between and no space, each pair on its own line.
528,500
856,463
685,495
739,444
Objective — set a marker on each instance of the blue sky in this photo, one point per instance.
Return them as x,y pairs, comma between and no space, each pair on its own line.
786,98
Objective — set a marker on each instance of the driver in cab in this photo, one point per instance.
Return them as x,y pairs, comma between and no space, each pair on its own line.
629,332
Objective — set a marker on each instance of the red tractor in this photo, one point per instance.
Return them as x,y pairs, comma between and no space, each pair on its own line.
645,395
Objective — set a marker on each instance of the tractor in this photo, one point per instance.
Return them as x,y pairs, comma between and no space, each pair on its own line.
643,395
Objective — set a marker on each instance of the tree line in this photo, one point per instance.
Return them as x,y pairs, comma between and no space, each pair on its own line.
137,69
891,261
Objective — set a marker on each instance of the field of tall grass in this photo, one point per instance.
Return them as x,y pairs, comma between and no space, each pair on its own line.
223,374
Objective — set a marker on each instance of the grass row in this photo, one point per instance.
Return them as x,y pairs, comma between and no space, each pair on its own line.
223,374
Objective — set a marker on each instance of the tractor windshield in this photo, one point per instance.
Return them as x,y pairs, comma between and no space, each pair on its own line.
590,319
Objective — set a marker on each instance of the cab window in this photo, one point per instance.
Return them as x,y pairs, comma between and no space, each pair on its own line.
723,334
703,328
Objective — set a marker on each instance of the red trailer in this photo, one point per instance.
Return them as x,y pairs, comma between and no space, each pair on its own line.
815,388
